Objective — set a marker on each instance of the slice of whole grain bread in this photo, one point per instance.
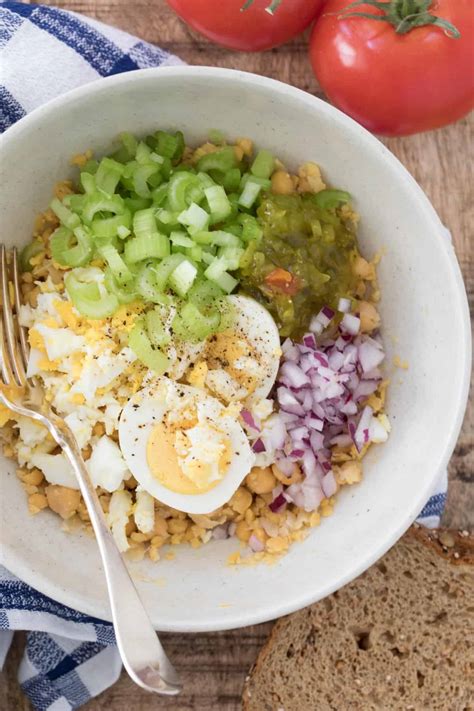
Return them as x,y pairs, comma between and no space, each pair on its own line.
400,637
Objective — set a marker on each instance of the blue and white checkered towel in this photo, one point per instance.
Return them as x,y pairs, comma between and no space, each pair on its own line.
69,657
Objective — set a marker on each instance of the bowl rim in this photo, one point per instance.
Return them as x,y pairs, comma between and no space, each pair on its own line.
18,565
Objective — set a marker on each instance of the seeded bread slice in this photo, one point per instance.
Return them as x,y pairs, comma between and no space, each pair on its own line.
399,638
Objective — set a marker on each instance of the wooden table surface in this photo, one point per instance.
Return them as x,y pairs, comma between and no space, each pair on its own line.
213,666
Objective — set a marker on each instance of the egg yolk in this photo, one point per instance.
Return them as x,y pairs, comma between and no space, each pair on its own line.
162,458
224,349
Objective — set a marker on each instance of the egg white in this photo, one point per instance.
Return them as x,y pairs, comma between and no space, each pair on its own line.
255,325
144,411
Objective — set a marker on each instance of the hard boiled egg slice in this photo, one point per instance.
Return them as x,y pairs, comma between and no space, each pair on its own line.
183,447
242,361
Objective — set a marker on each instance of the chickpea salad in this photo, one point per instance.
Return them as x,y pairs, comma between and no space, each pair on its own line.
205,324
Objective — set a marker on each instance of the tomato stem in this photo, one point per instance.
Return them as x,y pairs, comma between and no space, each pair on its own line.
403,15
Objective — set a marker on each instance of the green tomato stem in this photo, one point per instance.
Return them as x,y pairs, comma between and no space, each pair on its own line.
403,15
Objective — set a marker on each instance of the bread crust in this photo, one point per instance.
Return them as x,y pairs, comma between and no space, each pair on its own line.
456,548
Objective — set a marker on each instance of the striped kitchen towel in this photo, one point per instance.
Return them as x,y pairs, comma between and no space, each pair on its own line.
70,657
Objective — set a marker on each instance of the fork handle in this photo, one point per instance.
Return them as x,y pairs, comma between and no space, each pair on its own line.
140,649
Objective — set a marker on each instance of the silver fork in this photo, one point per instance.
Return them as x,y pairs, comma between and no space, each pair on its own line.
140,649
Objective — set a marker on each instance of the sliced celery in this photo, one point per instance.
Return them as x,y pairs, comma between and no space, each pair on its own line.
249,193
181,279
68,254
64,215
222,160
111,226
108,175
88,300
191,324
194,218
31,250
164,270
145,351
147,246
155,328
119,269
219,205
146,285
124,296
100,203
181,239
262,167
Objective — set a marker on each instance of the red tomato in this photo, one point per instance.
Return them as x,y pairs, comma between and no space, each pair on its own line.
282,281
250,30
396,84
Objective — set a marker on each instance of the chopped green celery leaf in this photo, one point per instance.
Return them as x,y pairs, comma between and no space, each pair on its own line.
87,182
99,203
124,295
31,250
68,254
142,154
194,253
91,166
145,284
262,167
140,178
181,239
155,328
205,180
75,203
179,186
218,202
232,255
119,269
137,203
111,226
251,230
231,180
108,175
153,245
217,237
130,143
203,293
194,218
249,193
88,300
222,160
190,324
216,136
164,270
146,352
144,222
266,184
217,267
64,215
181,279
160,194
329,199
226,282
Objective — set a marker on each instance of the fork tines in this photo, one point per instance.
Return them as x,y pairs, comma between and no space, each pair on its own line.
13,342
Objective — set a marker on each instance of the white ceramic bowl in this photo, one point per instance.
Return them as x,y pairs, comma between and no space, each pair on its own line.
425,321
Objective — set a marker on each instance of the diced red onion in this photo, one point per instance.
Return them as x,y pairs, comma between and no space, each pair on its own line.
316,326
361,435
294,374
220,533
328,484
344,305
370,356
249,420
258,446
350,324
309,340
277,503
255,544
